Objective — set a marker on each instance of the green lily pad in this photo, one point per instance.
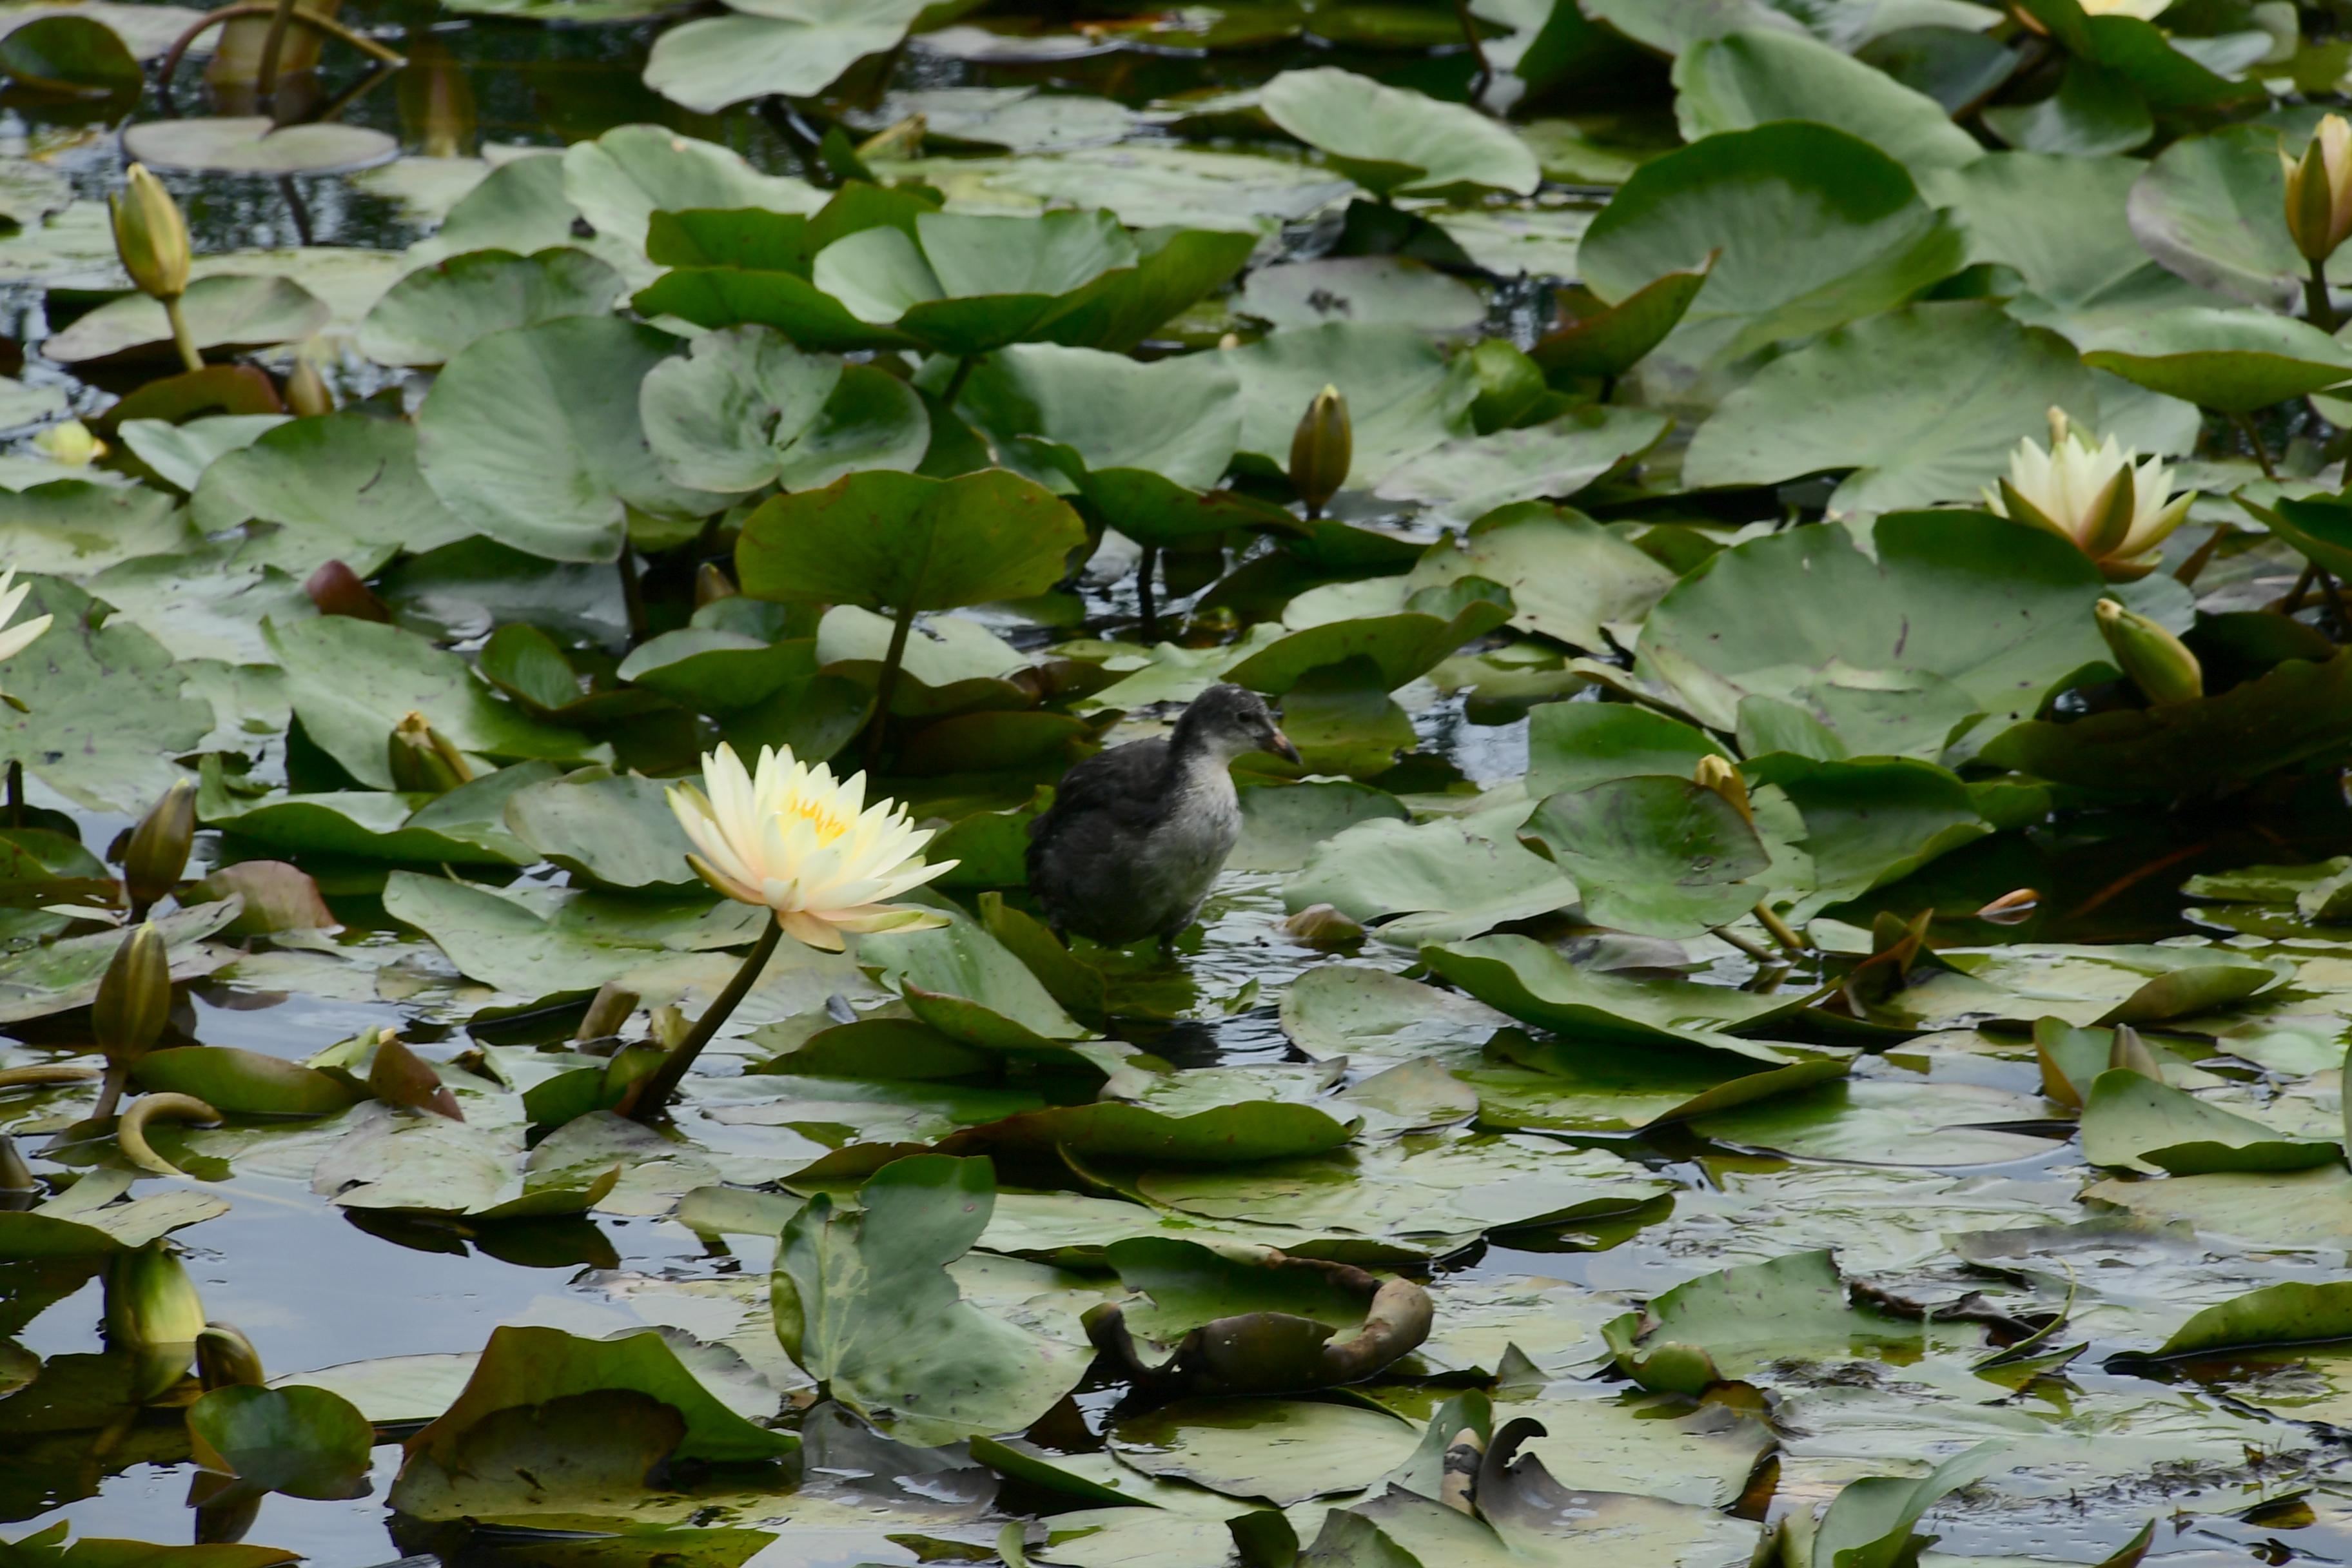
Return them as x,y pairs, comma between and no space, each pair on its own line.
1532,983
910,542
1744,1316
532,436
1411,884
258,144
72,53
1955,601
1658,856
1398,648
179,454
107,709
2235,361
435,312
1403,397
748,409
464,827
1737,80
792,46
1176,418
354,681
1391,140
244,1083
621,179
965,284
865,1305
1610,339
229,313
345,487
1476,474
1390,290
2208,208
1814,228
2290,1313
303,1442
615,830
2133,1120
1573,745
1284,1451
64,975
1924,403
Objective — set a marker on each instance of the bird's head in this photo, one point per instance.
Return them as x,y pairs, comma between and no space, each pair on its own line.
1227,721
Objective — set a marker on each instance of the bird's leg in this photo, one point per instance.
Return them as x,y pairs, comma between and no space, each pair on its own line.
1168,947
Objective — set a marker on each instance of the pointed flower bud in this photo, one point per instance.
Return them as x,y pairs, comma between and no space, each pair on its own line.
711,584
158,850
153,1314
338,590
424,761
151,235
306,390
225,1358
1714,773
16,1176
70,444
2129,1052
2319,190
1322,450
134,997
2157,661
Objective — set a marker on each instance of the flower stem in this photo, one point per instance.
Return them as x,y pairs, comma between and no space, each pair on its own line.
1146,569
963,370
1485,76
2190,569
887,687
110,1092
182,338
2318,306
659,1085
2245,423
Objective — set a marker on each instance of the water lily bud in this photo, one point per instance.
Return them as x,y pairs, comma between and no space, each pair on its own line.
1716,773
338,590
2157,661
134,997
423,762
1321,925
2130,1052
158,850
151,235
16,1176
225,1358
70,444
152,1313
711,584
2319,190
1322,449
306,390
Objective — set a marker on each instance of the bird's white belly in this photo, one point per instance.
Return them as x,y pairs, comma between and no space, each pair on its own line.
1184,857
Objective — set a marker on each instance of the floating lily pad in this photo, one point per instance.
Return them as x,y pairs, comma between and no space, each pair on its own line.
68,53
2133,1120
303,1442
433,313
909,542
1737,80
1411,884
1476,474
255,145
223,312
1391,139
2235,361
345,488
1532,983
792,46
106,710
1658,856
748,409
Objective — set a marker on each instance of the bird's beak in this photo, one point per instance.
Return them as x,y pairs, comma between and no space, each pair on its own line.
1279,744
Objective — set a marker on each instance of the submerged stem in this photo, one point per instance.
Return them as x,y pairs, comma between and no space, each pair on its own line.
1772,921
2245,423
656,1089
963,370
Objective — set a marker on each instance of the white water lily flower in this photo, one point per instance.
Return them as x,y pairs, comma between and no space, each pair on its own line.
2146,10
2108,501
14,640
792,837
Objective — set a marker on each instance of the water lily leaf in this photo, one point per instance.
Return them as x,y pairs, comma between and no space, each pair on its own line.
1655,855
1606,340
464,827
65,973
2235,361
1394,650
2289,1313
532,436
75,54
107,709
1283,824
1574,745
1744,1316
223,312
1474,474
344,488
793,47
968,284
748,409
1429,882
1238,1133
909,542
2291,713
1283,1451
277,897
615,830
179,454
244,1083
2133,1121
352,682
434,1166
1924,401
257,145
618,181
433,313
1868,1523
865,1305
1888,1122
1814,228
1738,80
1338,1009
2206,208
1391,139
1867,822
79,527
528,1368
1005,1005
1533,984
58,1229
1178,418
1954,597
2265,1208
1402,397
303,1442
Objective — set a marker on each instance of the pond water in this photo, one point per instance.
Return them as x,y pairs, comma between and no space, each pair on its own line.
1852,1050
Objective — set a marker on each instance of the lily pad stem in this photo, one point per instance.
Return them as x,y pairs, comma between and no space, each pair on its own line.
655,1092
16,795
2294,596
1760,954
273,45
1772,921
1485,76
110,1092
2317,304
2245,423
954,390
887,687
182,338
1146,567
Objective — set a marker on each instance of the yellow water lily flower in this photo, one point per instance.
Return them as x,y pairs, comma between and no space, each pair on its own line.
2144,10
808,846
2108,501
